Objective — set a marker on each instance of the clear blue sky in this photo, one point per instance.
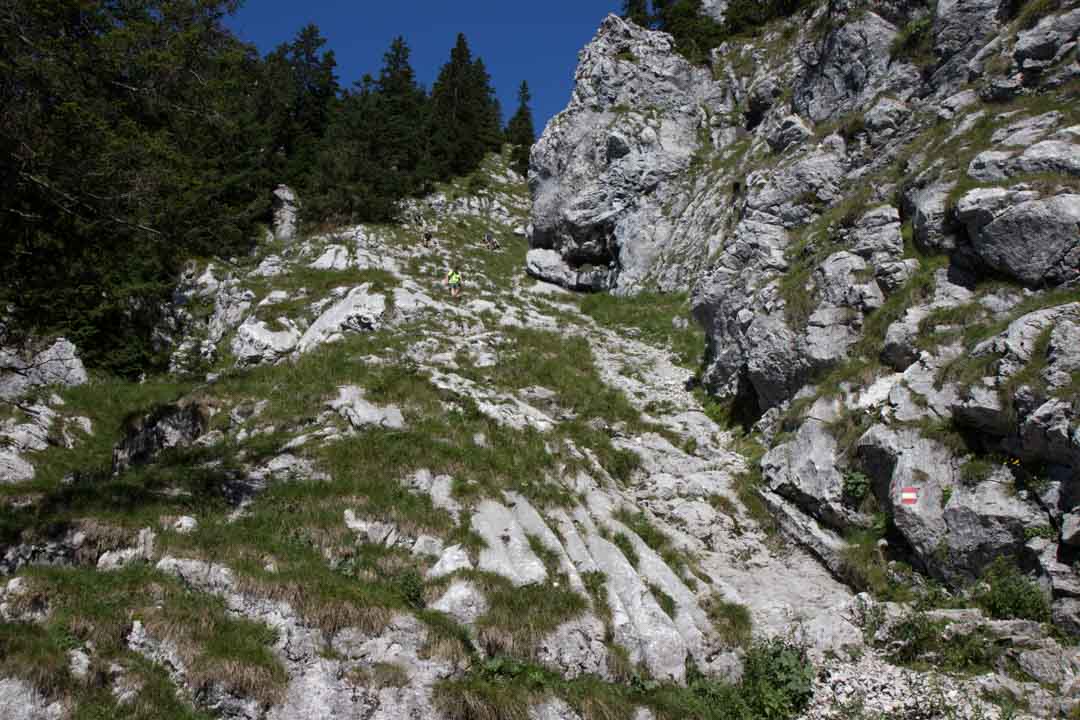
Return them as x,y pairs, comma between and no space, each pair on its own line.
537,42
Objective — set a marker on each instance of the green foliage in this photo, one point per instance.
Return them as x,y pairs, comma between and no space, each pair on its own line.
856,487
666,602
1005,593
128,142
622,541
695,32
465,122
776,685
520,132
975,471
914,42
1030,12
920,641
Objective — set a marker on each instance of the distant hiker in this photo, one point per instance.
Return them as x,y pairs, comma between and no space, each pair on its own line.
453,281
491,242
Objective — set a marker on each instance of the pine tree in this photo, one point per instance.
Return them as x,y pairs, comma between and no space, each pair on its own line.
637,11
402,117
520,132
465,117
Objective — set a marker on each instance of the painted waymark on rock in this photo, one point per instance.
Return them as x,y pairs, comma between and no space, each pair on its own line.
909,496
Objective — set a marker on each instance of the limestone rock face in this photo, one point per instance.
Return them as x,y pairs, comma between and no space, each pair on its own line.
255,343
1033,240
359,311
58,364
286,213
598,172
172,426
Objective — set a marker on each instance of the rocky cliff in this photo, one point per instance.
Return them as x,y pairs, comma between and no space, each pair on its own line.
355,496
874,206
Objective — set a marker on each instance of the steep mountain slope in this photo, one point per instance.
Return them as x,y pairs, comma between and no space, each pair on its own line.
376,501
874,206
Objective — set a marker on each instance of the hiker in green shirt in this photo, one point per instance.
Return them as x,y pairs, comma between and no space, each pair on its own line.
453,281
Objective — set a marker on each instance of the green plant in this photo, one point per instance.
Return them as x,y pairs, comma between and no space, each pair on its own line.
856,487
1006,593
622,541
731,620
914,42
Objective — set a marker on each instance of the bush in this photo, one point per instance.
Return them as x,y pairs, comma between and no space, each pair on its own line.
856,487
1006,593
778,678
914,42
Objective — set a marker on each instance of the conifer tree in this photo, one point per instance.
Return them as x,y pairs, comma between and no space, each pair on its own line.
402,116
465,117
637,11
520,132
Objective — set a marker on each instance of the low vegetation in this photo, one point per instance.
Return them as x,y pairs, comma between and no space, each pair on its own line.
776,685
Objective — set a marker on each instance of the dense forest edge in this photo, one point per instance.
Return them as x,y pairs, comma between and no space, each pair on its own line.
135,136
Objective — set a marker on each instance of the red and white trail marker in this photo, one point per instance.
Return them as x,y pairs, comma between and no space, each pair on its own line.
909,496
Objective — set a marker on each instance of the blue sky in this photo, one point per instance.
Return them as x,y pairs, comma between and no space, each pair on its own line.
537,41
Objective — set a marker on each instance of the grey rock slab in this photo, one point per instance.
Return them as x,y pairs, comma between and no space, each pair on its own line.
462,601
1070,529
576,648
1042,42
286,213
640,625
361,310
1027,131
19,701
352,406
453,558
507,552
58,364
548,265
14,468
553,709
335,257
534,525
1048,156
804,471
1035,242
255,343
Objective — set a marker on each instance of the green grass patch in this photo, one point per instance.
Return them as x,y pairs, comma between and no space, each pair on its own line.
776,685
731,620
653,315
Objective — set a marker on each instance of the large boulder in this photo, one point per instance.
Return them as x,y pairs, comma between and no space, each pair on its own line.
286,213
549,266
360,310
850,67
21,371
255,343
953,528
1032,240
170,426
805,472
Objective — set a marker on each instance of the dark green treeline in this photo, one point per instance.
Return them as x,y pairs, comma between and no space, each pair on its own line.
135,134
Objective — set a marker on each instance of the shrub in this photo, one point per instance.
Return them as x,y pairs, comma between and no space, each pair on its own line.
914,42
856,487
778,678
1006,593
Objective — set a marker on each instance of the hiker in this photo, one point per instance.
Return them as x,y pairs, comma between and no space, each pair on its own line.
491,242
453,281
